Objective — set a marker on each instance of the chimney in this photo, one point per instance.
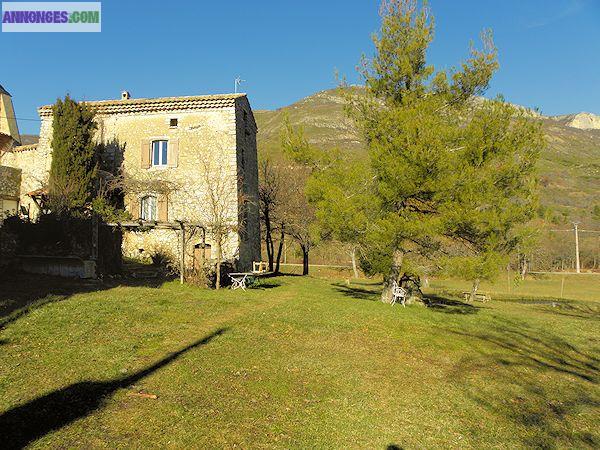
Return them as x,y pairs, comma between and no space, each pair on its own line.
125,95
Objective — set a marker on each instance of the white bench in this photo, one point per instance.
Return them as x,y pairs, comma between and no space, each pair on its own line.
238,280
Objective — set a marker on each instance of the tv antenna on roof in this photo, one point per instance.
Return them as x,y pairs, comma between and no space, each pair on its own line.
238,81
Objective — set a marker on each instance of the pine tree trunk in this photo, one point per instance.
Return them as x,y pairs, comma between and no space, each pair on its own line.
353,256
304,260
280,249
474,289
395,274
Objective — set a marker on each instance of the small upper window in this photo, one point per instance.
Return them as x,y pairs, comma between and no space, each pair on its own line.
173,123
160,153
148,208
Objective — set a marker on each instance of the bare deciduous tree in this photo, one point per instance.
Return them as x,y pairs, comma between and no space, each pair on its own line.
222,205
271,196
300,214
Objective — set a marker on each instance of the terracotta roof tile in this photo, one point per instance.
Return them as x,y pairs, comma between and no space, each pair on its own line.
164,104
24,148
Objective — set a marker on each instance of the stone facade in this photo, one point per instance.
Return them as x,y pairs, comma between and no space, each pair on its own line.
211,148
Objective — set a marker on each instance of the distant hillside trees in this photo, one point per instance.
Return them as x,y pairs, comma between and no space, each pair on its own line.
299,213
342,194
449,181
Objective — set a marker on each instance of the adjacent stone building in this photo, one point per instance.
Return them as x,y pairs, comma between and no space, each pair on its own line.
183,159
10,180
10,177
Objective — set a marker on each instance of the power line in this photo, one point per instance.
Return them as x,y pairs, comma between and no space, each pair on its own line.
20,118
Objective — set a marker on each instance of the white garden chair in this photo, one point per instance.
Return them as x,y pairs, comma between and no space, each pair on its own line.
398,294
238,280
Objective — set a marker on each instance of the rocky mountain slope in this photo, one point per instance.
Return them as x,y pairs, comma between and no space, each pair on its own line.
569,167
582,120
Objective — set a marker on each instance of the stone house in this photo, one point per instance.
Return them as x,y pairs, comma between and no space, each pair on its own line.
10,180
176,156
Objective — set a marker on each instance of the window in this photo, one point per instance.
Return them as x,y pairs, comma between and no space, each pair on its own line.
173,123
160,153
148,208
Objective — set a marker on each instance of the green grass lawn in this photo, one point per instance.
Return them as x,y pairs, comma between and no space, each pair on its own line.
296,363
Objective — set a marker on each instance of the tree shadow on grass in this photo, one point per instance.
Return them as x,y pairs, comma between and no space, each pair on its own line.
443,304
262,283
537,349
536,380
437,303
21,293
281,274
356,292
267,285
574,309
26,423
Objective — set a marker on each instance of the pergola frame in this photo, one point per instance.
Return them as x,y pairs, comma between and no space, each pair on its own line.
176,225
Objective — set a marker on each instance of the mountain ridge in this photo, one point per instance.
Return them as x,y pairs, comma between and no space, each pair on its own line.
569,168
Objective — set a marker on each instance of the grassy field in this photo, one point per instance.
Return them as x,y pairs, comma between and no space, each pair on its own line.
536,287
295,363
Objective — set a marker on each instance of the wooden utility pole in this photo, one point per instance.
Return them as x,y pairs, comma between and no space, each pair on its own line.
577,266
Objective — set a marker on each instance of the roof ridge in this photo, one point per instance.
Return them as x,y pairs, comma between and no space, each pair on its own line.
135,101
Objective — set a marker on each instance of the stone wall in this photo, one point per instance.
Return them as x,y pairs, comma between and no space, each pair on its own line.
247,166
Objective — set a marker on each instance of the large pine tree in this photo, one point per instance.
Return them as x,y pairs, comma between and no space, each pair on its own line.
74,161
451,177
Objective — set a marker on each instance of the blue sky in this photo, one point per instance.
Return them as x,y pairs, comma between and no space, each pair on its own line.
286,50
